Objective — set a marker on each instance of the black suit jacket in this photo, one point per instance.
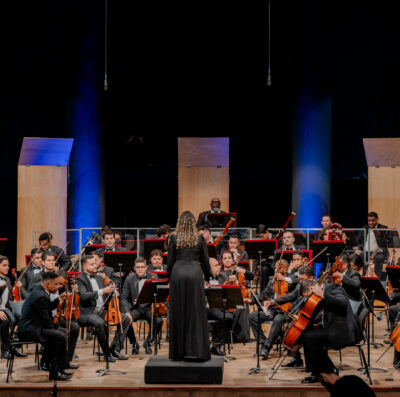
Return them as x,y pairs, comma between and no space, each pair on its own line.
117,249
155,269
351,283
88,297
36,314
62,258
29,279
130,292
338,318
383,237
9,286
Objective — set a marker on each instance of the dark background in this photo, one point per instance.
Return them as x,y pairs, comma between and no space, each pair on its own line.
198,70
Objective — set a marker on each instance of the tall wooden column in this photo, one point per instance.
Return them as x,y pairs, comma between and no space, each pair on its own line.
203,173
42,192
383,159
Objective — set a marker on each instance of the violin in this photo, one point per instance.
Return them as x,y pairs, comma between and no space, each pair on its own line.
68,309
113,316
281,287
337,266
370,270
160,309
16,291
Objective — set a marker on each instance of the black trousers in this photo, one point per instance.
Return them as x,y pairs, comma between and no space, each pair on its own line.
54,343
97,321
4,333
218,328
315,344
143,313
72,338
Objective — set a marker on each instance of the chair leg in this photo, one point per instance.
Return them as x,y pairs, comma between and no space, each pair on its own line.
10,364
37,358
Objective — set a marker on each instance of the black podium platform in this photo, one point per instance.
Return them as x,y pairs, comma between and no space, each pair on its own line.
161,370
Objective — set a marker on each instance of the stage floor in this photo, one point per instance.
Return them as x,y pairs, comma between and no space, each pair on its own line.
27,380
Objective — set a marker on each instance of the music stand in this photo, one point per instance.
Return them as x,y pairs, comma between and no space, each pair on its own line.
351,238
225,297
150,244
103,372
3,246
120,261
212,251
90,248
220,219
393,273
259,250
373,289
152,292
288,255
335,248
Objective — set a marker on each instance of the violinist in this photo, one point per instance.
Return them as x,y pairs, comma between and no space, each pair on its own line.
102,269
6,317
339,329
217,315
357,263
349,279
230,269
292,276
48,265
36,324
164,231
45,244
93,292
132,287
305,273
233,246
156,262
36,267
206,233
288,242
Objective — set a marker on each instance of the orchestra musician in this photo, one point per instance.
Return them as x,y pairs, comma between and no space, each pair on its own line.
215,205
350,280
36,324
102,268
217,315
339,329
206,233
230,268
292,276
110,243
45,244
7,319
357,263
35,267
306,273
376,243
233,246
164,231
132,287
262,232
93,292
156,262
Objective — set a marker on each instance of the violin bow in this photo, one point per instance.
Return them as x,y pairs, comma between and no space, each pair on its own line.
59,256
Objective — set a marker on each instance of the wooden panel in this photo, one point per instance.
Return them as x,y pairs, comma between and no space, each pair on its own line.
42,206
382,152
384,194
197,185
203,152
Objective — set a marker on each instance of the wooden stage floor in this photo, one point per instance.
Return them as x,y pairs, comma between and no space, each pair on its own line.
27,380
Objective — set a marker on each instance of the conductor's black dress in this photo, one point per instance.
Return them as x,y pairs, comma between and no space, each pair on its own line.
188,327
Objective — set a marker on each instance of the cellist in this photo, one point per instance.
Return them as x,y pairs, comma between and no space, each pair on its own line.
339,329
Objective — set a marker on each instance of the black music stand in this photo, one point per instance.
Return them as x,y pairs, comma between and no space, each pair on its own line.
150,244
288,255
225,297
103,372
393,273
91,248
153,291
372,290
335,248
220,219
120,261
212,251
3,246
260,250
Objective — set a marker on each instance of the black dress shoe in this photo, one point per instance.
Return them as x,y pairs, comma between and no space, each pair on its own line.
293,363
118,355
72,366
264,353
66,373
135,349
6,354
148,350
335,371
217,350
44,366
59,376
310,379
18,353
111,359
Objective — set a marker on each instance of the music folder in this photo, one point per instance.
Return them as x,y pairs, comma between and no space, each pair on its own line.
335,248
265,248
220,219
232,293
150,287
372,285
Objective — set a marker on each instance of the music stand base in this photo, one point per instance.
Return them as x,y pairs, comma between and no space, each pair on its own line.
103,372
370,369
257,370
